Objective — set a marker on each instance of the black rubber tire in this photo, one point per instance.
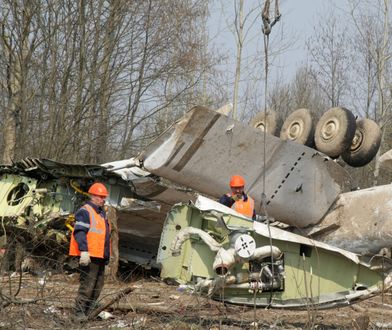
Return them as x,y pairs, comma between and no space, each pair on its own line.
267,121
299,127
335,131
364,145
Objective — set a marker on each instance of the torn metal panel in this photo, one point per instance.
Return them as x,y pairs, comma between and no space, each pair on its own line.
282,270
386,160
226,109
205,204
146,185
139,234
128,169
42,166
363,218
134,204
204,148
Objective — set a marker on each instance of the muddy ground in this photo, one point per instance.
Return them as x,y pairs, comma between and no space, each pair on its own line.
46,303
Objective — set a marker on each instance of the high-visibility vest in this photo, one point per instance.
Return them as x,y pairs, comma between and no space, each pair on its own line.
244,207
95,235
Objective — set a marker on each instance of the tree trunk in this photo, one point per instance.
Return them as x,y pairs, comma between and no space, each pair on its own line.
240,41
113,265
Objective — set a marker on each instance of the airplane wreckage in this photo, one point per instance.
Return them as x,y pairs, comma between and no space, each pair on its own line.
315,241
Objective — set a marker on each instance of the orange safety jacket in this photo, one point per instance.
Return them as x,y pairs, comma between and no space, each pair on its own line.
244,207
95,236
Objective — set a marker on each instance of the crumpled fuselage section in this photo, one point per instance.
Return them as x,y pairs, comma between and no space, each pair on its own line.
240,261
38,199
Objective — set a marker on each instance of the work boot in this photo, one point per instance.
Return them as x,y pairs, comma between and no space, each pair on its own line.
94,306
91,306
79,314
80,318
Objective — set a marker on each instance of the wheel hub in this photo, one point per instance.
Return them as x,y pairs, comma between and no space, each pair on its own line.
330,129
357,141
295,130
260,126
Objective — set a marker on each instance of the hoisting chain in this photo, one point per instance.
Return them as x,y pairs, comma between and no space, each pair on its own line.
266,28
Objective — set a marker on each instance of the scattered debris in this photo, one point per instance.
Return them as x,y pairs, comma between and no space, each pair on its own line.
119,324
105,315
120,295
39,198
139,322
51,310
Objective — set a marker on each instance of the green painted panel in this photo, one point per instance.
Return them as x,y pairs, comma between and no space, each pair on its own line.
16,194
311,273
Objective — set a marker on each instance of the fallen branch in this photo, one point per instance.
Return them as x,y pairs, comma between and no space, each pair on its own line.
120,295
191,317
388,306
358,308
8,301
372,310
380,325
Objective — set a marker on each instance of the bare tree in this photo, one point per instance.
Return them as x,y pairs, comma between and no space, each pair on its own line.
301,92
18,42
363,75
329,58
239,28
244,24
79,79
374,33
162,74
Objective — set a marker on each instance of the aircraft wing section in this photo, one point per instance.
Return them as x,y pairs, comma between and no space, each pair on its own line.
204,148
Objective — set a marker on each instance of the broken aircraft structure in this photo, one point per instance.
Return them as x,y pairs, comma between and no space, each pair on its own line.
39,198
245,262
298,187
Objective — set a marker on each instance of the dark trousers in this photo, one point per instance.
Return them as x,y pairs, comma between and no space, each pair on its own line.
91,284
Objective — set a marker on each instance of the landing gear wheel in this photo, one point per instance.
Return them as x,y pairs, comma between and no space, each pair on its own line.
266,121
299,127
364,145
335,131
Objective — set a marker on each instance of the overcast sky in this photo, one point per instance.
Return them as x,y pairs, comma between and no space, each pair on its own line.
297,23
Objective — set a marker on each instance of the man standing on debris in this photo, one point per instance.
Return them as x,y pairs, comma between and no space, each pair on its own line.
238,199
90,240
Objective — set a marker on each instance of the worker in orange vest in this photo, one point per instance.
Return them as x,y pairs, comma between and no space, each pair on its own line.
237,199
90,240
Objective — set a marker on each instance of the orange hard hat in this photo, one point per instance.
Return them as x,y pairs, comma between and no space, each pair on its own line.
237,181
98,189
